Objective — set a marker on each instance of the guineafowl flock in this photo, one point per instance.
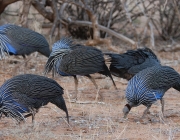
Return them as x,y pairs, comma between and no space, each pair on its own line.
23,95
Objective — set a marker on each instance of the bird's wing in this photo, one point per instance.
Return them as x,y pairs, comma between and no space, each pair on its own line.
82,61
132,62
25,37
33,86
43,87
160,77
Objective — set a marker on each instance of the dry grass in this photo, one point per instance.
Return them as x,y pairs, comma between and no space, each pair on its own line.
101,121
92,121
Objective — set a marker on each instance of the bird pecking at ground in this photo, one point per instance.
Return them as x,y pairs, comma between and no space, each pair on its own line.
149,86
26,94
16,40
69,59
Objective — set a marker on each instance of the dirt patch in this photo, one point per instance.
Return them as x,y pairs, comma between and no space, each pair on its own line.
102,120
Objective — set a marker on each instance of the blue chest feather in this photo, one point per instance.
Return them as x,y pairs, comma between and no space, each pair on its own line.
10,102
158,95
11,49
138,92
60,72
3,27
21,108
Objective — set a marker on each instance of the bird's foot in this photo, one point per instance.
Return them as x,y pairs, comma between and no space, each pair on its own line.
122,120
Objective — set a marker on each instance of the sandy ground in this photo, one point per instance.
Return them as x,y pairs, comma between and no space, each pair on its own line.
95,121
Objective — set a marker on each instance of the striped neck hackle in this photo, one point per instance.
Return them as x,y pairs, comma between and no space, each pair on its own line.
59,50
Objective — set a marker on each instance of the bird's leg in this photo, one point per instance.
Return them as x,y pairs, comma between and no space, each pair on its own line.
145,112
1,115
32,113
53,73
26,59
92,80
76,85
33,116
24,62
162,106
28,115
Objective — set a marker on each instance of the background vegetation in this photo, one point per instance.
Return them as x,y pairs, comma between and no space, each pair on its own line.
111,25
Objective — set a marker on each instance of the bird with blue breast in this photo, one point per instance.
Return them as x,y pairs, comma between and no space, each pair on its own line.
70,59
149,86
23,95
16,40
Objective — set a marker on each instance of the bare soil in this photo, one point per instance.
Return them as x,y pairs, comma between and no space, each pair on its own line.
96,121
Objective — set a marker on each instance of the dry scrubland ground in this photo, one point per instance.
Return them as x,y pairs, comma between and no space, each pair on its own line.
93,121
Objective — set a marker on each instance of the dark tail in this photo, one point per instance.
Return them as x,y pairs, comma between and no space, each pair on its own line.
106,72
177,87
117,60
59,102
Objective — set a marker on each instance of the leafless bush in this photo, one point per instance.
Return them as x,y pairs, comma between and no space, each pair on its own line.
99,19
168,23
110,14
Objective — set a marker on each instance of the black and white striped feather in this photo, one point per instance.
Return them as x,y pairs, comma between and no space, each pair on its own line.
70,59
17,40
26,93
59,50
150,85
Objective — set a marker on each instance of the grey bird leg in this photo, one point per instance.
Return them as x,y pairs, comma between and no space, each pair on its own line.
26,59
30,114
162,106
0,115
33,112
92,80
53,73
33,116
76,85
24,62
145,112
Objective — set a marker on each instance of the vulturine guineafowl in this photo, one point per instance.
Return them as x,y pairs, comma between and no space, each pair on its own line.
128,64
16,40
150,85
27,93
69,59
